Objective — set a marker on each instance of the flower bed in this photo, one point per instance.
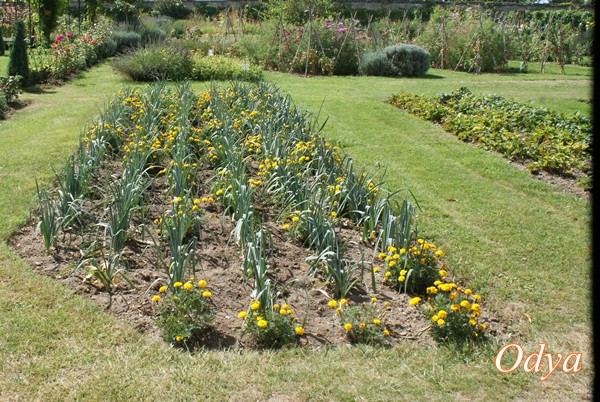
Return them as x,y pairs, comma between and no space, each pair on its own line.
538,137
227,219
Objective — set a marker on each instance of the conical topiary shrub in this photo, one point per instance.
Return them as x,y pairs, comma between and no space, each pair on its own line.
18,63
2,47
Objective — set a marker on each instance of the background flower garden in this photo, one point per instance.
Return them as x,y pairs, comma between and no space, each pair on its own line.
221,216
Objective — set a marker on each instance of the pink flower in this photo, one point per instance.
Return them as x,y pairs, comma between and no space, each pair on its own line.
59,38
93,41
69,35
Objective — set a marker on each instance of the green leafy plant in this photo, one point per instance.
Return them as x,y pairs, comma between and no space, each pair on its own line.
186,311
158,61
363,323
454,312
19,62
49,218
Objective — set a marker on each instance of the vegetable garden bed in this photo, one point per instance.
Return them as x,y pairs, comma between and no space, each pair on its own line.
233,203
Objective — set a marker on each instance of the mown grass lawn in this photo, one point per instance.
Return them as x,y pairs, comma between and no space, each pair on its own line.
523,244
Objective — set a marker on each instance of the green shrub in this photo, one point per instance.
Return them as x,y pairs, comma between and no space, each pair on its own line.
376,63
222,68
396,60
11,87
161,61
18,63
126,40
3,104
2,46
408,60
152,34
172,8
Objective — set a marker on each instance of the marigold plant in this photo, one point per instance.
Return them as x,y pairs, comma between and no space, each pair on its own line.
271,327
454,312
186,311
363,323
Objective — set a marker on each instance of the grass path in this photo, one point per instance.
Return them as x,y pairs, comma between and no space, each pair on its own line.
519,240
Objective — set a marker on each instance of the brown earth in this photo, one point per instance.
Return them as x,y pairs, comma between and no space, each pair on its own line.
219,262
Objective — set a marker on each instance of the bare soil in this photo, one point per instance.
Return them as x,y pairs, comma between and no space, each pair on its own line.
218,261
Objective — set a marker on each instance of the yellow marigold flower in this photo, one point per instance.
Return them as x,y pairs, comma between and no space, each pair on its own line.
177,285
439,254
472,322
402,251
386,332
276,307
387,274
442,314
401,278
414,301
202,284
286,226
376,269
196,201
347,326
420,241
376,321
386,304
392,263
477,298
177,200
422,261
455,308
333,214
475,307
465,304
435,318
468,292
254,306
262,324
343,302
163,289
443,273
483,327
382,256
431,290
155,298
219,192
437,283
285,307
440,322
188,286
332,303
373,299
283,311
206,294
242,314
178,338
296,219
299,331
403,272
452,296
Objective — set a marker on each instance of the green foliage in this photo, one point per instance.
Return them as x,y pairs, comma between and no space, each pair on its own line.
11,87
396,60
455,314
3,104
269,327
127,11
297,12
2,45
152,34
186,312
126,40
19,63
408,60
544,139
363,323
49,10
172,8
221,68
160,61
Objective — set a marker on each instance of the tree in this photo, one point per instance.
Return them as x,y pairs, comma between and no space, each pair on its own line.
18,63
48,12
2,48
